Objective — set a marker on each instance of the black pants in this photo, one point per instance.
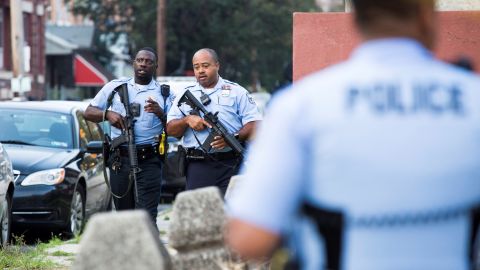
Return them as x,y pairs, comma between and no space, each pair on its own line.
205,173
148,186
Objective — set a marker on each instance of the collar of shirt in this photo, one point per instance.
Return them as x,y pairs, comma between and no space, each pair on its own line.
218,86
150,86
391,49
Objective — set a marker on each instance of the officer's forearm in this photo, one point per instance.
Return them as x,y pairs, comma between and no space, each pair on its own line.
93,114
249,241
177,127
247,131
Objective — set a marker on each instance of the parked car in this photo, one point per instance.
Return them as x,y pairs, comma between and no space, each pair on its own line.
59,183
172,181
6,193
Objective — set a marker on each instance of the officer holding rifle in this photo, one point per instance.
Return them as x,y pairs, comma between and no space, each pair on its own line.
148,107
210,160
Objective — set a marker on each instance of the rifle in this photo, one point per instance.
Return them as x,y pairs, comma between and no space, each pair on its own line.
128,137
213,120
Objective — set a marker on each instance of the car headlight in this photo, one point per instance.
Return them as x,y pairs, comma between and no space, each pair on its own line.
47,177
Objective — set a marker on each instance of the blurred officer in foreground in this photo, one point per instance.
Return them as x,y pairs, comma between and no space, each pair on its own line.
210,161
144,92
372,163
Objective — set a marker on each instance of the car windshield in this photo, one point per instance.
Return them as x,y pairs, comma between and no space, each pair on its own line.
32,127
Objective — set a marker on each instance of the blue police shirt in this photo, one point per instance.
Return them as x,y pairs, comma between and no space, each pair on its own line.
147,125
233,103
391,139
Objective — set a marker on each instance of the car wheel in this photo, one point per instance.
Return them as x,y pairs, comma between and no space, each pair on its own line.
6,222
77,212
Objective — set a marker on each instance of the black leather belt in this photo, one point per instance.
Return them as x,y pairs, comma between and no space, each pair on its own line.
143,151
197,154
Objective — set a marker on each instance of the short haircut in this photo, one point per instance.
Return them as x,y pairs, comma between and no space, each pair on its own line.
368,11
212,53
149,49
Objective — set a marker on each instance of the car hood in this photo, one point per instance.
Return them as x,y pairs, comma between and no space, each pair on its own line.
28,159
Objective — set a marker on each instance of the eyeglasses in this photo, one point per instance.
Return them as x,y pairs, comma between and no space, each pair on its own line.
148,62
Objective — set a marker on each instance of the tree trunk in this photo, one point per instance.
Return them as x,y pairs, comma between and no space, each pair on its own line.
161,37
254,71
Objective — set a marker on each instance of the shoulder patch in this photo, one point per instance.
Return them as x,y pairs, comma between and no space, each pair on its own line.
250,99
172,96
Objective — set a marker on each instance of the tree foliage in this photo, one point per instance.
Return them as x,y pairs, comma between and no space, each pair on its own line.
252,37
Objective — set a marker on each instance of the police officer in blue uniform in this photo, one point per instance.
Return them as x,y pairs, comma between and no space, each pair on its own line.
372,163
145,91
210,161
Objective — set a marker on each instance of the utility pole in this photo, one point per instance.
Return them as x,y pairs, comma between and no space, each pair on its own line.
16,16
161,36
16,22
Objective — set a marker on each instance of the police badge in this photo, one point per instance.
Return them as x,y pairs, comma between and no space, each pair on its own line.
226,90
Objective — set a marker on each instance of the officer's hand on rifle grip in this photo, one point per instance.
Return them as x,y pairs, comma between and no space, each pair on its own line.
218,143
196,122
115,119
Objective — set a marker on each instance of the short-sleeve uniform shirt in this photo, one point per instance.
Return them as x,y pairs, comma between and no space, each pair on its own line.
391,139
235,107
147,125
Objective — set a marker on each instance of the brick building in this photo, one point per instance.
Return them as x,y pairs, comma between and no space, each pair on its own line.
32,84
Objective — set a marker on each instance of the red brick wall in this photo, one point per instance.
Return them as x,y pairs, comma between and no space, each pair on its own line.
34,27
322,39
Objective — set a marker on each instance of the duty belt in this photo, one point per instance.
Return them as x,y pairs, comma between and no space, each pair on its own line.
197,154
144,152
330,224
331,218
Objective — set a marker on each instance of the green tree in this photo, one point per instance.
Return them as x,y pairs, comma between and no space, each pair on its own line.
252,37
136,18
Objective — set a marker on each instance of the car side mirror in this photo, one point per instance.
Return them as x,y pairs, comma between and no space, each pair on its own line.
95,147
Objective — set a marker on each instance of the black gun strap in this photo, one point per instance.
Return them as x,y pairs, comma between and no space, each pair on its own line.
110,187
122,97
164,124
474,247
330,225
164,121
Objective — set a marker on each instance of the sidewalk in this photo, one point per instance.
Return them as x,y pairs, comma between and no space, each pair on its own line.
64,255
